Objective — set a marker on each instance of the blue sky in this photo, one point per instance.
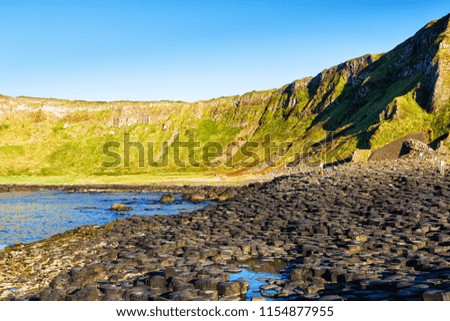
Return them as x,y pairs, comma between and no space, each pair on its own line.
190,50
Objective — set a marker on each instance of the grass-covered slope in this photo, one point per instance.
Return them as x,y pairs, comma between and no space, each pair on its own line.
364,103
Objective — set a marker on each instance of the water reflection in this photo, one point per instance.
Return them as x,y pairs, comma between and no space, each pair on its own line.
258,274
33,216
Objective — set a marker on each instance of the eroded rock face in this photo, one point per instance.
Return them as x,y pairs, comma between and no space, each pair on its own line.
359,232
415,145
403,146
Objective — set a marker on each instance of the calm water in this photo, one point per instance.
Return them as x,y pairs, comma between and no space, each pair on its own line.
258,274
33,216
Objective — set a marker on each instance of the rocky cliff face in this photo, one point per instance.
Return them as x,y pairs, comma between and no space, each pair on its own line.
364,103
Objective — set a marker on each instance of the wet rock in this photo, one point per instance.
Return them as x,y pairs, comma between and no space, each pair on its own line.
331,298
88,293
209,295
139,293
231,298
269,293
311,296
297,274
361,238
50,294
436,295
197,198
229,288
156,281
120,207
244,285
170,273
184,295
179,286
167,198
111,290
377,296
207,284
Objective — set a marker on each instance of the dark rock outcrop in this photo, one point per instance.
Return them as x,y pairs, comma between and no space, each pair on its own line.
359,232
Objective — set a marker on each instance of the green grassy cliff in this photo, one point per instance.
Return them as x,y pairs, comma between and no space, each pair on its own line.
364,103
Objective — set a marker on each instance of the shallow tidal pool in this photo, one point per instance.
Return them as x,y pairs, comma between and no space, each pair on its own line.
33,216
259,274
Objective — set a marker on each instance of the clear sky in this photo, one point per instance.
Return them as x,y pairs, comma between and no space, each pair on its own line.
190,50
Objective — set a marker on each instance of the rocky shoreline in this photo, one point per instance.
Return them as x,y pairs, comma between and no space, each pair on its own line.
377,231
